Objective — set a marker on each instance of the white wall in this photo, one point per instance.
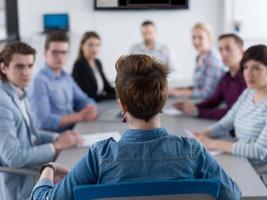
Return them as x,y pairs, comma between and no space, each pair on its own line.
120,29
252,19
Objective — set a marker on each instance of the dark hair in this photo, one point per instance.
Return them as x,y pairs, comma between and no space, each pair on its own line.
257,53
141,84
238,40
147,23
12,48
56,36
85,37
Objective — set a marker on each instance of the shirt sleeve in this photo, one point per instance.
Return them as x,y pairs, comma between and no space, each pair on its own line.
227,122
212,113
81,100
255,150
211,77
84,172
208,167
46,136
214,100
134,49
209,107
41,108
14,153
211,81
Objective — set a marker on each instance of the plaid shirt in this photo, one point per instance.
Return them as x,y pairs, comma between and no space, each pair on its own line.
207,75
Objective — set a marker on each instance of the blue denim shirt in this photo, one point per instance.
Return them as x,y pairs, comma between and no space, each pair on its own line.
140,155
53,96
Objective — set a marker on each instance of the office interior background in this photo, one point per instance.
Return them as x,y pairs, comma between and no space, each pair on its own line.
119,29
30,20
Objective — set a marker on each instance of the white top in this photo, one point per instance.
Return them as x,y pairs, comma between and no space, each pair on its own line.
99,80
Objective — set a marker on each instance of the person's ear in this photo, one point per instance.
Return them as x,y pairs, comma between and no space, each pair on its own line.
122,106
3,68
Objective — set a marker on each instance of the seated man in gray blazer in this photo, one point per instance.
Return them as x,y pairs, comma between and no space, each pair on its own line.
21,144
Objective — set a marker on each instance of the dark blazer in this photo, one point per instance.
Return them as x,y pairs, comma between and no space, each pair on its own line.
84,76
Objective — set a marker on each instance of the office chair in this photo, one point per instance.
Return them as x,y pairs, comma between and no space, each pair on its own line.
193,189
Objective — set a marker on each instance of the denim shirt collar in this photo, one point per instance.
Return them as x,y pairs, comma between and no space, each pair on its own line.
142,135
51,74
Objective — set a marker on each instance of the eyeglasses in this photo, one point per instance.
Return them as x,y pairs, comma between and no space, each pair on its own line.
58,52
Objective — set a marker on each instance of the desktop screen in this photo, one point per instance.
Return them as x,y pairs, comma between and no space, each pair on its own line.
55,22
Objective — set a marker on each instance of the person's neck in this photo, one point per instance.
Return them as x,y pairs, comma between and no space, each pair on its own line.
91,62
260,93
90,59
15,86
141,124
57,71
204,51
150,45
234,70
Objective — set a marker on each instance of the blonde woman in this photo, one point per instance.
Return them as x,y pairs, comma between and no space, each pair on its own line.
209,68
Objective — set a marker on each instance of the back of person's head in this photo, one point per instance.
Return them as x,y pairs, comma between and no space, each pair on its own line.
257,53
56,36
147,23
87,35
205,27
238,40
9,50
141,85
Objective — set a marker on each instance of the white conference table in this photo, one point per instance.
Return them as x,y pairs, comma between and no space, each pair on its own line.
238,168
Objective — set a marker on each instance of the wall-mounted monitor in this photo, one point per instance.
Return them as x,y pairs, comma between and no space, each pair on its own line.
56,22
140,4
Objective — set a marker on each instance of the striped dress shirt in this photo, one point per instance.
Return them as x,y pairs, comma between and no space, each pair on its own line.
249,120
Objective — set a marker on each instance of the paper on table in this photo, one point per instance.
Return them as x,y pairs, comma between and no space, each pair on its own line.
172,111
212,152
90,139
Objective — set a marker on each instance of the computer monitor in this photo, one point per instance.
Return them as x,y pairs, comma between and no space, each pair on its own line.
56,22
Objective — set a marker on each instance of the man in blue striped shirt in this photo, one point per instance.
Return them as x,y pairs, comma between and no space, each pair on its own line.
58,102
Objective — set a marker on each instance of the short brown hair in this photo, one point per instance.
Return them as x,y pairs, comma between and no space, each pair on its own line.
141,84
87,35
257,53
56,36
10,49
235,37
148,23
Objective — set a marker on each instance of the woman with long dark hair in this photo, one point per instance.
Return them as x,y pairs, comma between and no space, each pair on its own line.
88,71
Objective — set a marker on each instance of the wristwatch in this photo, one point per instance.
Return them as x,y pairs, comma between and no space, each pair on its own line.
50,165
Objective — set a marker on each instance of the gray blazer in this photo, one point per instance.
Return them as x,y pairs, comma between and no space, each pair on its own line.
17,147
